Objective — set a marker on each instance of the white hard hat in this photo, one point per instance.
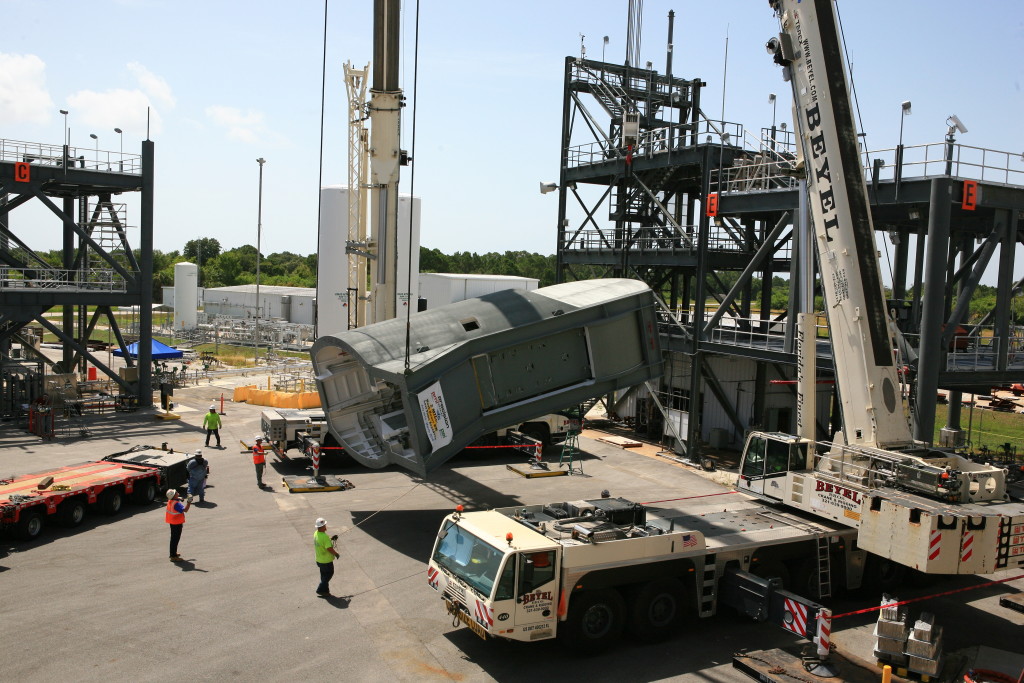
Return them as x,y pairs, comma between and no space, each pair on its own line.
258,437
199,452
320,522
212,407
171,493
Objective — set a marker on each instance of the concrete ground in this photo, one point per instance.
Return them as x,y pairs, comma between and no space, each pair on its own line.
102,601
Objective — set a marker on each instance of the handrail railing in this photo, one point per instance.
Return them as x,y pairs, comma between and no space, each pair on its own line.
657,141
92,279
89,158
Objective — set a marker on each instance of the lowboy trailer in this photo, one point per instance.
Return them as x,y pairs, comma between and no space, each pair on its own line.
64,495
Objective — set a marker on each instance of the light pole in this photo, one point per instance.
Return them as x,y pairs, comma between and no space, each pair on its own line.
120,160
904,111
259,233
67,135
97,139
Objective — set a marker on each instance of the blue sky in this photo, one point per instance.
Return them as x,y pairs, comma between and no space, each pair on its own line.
227,82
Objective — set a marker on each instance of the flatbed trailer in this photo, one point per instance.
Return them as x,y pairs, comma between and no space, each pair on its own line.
588,570
62,495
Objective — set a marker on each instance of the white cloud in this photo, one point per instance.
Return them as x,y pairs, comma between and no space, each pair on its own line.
245,127
130,109
125,109
23,94
153,85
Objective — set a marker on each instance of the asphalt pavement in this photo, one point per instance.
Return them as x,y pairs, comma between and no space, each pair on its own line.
102,602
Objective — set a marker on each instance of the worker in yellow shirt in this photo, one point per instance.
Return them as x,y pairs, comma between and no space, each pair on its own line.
211,422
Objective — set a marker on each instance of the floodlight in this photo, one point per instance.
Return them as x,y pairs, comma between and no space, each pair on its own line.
955,122
548,187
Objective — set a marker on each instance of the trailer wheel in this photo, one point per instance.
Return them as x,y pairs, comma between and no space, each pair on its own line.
883,573
30,525
773,569
71,512
110,501
656,609
537,430
595,620
805,580
144,492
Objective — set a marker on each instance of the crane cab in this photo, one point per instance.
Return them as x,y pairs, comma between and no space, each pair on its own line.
767,458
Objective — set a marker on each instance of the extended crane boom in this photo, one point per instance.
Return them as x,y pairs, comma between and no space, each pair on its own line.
931,510
809,50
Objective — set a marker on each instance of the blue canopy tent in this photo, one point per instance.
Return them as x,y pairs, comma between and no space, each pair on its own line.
160,351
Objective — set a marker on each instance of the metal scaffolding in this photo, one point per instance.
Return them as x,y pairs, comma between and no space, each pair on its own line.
98,268
701,209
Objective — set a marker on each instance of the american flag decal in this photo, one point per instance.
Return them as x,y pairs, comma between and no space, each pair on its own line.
689,541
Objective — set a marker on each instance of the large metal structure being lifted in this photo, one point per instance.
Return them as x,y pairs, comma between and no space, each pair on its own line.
479,365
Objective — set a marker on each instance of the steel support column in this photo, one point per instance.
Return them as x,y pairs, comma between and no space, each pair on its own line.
932,354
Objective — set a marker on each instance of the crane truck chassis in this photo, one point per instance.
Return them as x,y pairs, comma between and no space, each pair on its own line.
588,570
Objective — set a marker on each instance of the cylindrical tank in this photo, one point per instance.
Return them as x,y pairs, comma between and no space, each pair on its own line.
332,272
186,295
332,295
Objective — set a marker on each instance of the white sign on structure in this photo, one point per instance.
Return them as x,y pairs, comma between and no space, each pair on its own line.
435,416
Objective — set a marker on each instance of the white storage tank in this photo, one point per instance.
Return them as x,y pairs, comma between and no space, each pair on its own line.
332,296
186,295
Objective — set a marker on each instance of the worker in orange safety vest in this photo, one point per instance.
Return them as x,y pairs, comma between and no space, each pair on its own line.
175,517
259,459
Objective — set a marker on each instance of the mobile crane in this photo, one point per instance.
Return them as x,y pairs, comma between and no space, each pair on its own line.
930,510
587,570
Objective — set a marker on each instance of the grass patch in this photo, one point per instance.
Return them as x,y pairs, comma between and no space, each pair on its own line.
986,428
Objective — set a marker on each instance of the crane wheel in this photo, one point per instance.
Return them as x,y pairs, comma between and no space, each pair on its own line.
655,609
595,620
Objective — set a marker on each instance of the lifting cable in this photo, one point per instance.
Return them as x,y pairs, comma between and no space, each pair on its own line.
860,126
320,177
412,186
987,584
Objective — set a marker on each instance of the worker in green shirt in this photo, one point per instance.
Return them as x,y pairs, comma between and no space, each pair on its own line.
211,421
325,556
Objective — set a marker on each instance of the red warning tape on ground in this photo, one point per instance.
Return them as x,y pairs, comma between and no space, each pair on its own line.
706,495
512,446
926,597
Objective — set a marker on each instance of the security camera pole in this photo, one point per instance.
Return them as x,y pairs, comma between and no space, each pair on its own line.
955,124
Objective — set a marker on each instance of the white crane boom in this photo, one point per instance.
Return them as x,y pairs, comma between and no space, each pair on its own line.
862,345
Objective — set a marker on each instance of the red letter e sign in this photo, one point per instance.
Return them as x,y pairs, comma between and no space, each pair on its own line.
22,174
712,209
970,200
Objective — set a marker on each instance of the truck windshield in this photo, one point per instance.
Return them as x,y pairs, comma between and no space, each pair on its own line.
469,558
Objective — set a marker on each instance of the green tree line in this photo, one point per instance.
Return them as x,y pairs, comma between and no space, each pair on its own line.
220,268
